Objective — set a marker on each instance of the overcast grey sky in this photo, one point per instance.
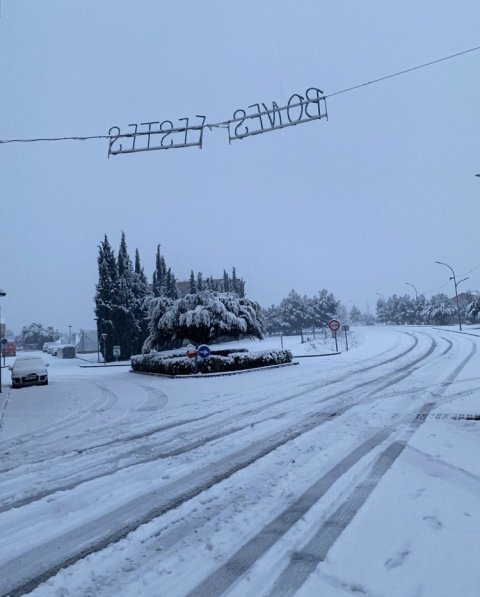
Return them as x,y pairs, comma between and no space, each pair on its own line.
360,204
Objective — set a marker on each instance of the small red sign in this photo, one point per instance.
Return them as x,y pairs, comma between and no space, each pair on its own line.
191,351
334,325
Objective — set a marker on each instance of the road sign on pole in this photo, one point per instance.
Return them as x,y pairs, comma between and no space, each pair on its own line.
203,351
334,325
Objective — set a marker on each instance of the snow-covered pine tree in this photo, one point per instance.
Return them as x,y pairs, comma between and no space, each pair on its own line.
106,296
293,313
200,285
439,310
472,310
203,317
355,315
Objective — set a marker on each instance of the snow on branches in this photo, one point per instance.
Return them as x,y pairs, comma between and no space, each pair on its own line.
202,318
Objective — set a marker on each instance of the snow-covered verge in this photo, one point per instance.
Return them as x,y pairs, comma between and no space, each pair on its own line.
217,362
350,474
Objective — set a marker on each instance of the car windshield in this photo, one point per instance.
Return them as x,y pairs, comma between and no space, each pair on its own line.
28,362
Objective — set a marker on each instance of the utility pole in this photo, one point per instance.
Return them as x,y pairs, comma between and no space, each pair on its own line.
452,277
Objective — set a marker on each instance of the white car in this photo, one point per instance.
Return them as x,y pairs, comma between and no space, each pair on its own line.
29,371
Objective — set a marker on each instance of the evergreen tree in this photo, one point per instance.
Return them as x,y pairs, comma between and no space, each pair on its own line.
140,292
355,315
324,307
200,286
126,330
294,313
170,285
193,285
203,317
106,296
226,282
158,281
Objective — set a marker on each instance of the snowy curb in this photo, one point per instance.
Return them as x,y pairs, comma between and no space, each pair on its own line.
458,332
308,356
101,365
222,374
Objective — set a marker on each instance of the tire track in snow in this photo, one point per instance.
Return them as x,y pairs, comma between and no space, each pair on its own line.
42,562
141,455
103,401
111,464
305,561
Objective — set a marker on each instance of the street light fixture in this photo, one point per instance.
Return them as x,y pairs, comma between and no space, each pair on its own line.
452,277
98,342
104,338
2,293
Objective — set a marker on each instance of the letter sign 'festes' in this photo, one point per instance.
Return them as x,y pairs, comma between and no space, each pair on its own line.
334,325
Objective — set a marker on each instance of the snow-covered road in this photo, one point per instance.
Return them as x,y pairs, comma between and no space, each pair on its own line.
350,473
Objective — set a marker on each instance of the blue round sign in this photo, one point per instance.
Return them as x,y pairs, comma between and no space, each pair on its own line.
203,351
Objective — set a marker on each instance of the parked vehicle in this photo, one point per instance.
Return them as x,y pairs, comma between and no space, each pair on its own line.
54,350
29,371
9,349
46,346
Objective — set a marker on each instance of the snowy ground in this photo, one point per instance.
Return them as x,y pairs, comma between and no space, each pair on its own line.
348,474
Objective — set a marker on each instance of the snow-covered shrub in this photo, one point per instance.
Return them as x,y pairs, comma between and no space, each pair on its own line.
238,360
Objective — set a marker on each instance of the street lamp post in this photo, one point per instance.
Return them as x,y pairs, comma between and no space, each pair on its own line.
452,277
104,338
69,334
2,293
416,300
98,342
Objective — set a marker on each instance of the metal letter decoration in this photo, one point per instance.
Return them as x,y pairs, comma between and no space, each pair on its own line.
155,134
299,109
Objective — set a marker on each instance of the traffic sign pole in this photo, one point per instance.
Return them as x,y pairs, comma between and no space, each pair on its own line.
334,325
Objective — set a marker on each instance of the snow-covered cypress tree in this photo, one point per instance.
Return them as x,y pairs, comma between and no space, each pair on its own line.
159,274
193,285
140,292
234,287
170,285
124,321
226,282
106,296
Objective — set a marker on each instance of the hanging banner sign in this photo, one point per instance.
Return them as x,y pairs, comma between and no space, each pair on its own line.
153,135
150,136
299,109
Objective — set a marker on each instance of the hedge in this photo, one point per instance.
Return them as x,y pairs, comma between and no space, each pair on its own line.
219,361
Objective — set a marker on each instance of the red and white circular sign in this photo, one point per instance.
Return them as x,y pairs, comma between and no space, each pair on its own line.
191,351
334,325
